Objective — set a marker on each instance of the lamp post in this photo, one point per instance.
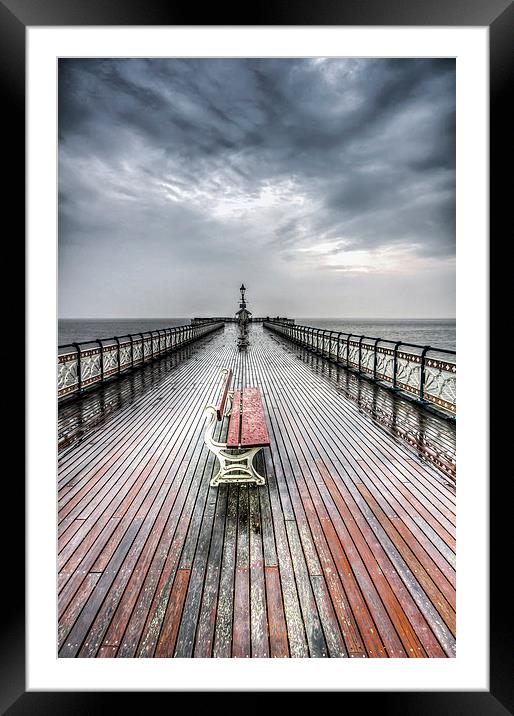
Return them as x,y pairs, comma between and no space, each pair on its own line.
243,318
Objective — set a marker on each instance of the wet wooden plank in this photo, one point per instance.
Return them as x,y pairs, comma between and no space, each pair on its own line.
258,615
331,630
311,620
223,631
174,608
73,643
276,617
132,607
188,625
207,616
70,615
241,640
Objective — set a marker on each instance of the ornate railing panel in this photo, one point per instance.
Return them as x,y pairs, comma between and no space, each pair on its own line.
367,361
425,373
441,383
67,374
90,367
80,365
125,355
138,352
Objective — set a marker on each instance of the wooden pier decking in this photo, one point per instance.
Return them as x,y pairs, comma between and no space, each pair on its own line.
347,551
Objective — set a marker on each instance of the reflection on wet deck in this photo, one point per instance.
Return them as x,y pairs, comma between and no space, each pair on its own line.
431,436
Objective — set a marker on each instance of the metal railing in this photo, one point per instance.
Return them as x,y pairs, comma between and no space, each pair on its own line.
214,319
424,373
91,362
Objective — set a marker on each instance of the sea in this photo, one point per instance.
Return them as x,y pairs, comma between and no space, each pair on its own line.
436,332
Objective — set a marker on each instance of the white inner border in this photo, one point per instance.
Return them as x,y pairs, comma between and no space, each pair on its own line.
469,670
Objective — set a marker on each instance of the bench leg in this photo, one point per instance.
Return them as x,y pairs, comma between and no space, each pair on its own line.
235,465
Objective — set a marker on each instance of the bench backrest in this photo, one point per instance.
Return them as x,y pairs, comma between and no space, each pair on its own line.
220,408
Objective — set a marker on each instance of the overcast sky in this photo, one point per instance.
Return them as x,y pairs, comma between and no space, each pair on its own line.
326,185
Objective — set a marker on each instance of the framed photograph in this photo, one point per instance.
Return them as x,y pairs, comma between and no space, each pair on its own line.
237,175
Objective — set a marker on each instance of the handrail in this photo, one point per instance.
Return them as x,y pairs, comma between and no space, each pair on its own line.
88,363
424,375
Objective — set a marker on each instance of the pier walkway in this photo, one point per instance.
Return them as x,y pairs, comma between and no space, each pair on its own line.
347,551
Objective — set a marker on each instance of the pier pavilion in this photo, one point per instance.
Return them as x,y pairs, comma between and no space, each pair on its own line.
347,550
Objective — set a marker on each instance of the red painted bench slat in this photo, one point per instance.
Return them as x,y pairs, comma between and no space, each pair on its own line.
247,428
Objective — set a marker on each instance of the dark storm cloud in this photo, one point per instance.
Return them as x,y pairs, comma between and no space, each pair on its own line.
183,169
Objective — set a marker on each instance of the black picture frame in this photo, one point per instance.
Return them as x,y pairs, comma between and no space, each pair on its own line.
498,15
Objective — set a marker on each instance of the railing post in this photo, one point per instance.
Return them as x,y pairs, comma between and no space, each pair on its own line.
151,342
348,350
375,357
119,354
338,347
422,374
101,359
142,348
131,351
79,367
360,353
395,362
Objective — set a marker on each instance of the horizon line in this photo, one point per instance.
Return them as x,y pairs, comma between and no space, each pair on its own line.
346,318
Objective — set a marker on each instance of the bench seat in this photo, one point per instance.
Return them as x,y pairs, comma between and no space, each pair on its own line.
247,427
